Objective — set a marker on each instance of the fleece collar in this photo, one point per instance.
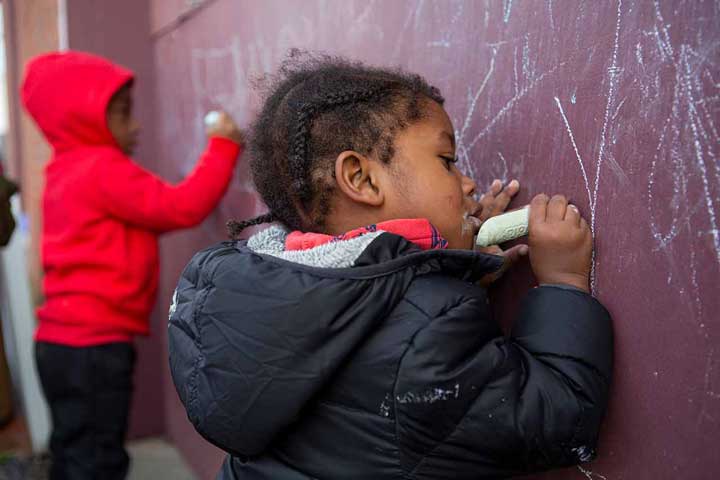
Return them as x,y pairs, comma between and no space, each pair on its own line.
341,251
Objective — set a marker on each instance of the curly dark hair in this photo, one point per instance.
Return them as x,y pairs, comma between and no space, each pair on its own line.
316,107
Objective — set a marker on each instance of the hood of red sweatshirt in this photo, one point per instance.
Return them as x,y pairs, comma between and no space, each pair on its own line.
67,94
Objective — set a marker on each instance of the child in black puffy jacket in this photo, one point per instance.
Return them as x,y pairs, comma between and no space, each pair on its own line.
351,338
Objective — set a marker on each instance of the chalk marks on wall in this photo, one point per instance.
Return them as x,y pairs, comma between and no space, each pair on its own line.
709,394
686,142
218,77
525,80
507,10
626,96
681,75
463,152
589,475
613,73
221,77
691,117
688,139
581,164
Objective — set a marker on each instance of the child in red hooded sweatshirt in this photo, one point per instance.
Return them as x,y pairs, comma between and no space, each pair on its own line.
102,214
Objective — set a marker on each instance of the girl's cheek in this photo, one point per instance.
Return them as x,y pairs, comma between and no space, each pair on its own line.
454,202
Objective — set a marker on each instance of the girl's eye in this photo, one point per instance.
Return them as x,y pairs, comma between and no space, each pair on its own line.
449,161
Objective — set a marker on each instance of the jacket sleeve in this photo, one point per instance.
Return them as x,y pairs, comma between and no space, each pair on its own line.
134,195
469,399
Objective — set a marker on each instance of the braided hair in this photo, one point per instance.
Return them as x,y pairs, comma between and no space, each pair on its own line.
316,107
235,228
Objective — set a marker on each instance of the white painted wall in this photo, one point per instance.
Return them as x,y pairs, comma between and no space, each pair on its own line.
18,326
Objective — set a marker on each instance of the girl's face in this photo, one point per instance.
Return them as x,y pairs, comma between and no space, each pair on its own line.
429,184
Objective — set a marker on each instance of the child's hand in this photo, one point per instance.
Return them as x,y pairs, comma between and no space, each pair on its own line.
494,202
224,126
510,257
560,242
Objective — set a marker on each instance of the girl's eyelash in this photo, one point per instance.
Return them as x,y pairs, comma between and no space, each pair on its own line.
449,161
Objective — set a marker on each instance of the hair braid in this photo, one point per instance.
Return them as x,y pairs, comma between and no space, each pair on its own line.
298,149
235,228
298,158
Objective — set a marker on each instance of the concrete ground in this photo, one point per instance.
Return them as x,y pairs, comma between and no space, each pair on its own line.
156,459
152,459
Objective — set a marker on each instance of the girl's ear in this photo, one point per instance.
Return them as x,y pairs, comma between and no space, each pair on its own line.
359,178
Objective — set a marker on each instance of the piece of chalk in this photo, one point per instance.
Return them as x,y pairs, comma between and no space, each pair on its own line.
211,118
503,228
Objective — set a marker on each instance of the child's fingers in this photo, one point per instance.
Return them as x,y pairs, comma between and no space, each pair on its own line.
510,257
498,198
503,199
512,188
557,207
515,253
585,227
220,123
538,209
226,120
496,187
491,249
572,215
487,202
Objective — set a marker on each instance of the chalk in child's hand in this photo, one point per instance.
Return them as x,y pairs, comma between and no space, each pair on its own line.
211,118
503,228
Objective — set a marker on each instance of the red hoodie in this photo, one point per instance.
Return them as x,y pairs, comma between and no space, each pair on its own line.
102,213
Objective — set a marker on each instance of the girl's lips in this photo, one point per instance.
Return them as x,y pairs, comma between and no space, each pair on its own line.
476,222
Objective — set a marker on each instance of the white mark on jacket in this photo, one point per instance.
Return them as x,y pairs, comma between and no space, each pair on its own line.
431,395
173,305
385,406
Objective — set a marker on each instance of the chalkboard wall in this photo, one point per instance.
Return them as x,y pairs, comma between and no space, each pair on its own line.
614,103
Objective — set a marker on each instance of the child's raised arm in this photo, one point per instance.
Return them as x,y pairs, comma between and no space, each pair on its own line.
132,194
536,399
526,403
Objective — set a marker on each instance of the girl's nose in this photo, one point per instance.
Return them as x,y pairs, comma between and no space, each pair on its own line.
469,186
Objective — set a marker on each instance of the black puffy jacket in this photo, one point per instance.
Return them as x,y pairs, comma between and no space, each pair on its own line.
391,368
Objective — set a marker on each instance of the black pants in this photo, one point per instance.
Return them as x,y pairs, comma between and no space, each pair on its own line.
89,390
